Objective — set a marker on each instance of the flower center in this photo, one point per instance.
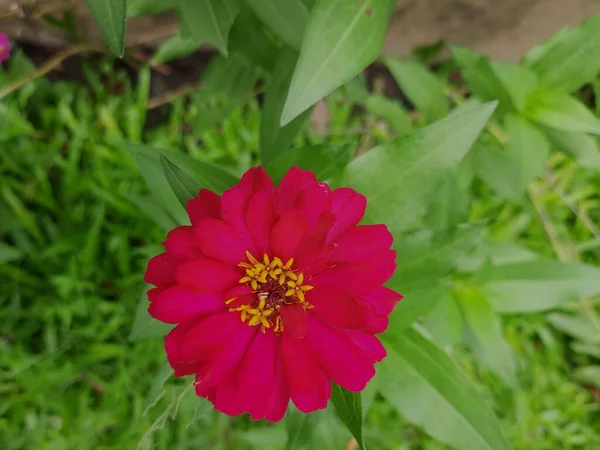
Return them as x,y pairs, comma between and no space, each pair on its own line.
274,285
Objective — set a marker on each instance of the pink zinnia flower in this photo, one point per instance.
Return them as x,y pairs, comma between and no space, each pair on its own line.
276,293
4,47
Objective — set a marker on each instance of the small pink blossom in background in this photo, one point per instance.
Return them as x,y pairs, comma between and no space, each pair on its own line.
276,292
4,47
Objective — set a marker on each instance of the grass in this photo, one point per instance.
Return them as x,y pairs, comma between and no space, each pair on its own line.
74,251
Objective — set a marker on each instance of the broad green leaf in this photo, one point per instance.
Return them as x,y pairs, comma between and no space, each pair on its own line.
248,38
110,17
8,253
496,168
588,375
298,426
174,48
562,112
450,205
518,82
417,303
157,391
570,59
445,322
535,53
326,161
391,111
341,39
484,336
527,149
144,325
208,21
422,88
208,175
184,186
399,178
139,7
495,253
153,210
274,138
481,79
537,285
148,161
586,349
577,326
286,18
583,148
427,388
349,407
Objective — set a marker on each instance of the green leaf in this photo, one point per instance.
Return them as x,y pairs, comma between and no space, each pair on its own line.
8,253
562,112
484,336
577,326
517,81
422,88
156,391
417,303
482,81
298,426
391,111
341,39
537,285
583,148
144,325
110,17
248,38
174,48
208,21
286,18
588,375
399,178
450,205
274,138
149,206
326,161
139,7
425,386
586,349
570,59
495,253
184,186
349,408
445,322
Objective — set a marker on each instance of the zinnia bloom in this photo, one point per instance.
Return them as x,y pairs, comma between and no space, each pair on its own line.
4,47
277,292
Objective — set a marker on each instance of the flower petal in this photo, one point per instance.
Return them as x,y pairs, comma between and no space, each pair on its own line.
206,275
312,201
176,304
256,179
287,234
349,207
341,359
173,344
362,243
280,398
308,386
260,218
180,243
384,299
206,204
218,240
161,270
369,344
294,320
208,336
314,248
226,396
337,306
294,181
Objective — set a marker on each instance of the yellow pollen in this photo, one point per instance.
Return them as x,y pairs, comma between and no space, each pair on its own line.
275,284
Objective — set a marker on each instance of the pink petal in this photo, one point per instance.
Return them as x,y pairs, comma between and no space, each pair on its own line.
359,278
218,240
312,201
153,293
173,344
294,320
362,243
384,299
176,304
314,248
260,218
161,270
257,375
234,205
226,396
308,386
180,243
369,344
341,359
280,398
377,323
207,275
207,204
349,207
256,179
337,306
295,181
208,336
287,234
